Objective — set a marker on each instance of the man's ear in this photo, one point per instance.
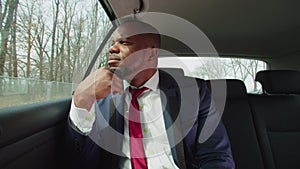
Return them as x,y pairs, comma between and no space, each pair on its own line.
153,53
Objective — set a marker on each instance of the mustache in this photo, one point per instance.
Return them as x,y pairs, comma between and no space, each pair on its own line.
114,56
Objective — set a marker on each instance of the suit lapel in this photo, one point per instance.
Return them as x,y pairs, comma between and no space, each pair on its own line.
169,118
170,97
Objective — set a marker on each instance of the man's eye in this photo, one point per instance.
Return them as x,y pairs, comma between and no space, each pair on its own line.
124,42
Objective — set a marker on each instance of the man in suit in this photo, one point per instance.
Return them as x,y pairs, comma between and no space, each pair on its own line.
165,125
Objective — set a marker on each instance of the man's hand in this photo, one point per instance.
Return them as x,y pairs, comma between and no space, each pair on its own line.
96,86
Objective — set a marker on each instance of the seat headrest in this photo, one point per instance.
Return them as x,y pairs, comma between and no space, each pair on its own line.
235,88
279,81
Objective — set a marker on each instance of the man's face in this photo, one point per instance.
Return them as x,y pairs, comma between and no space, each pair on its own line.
130,53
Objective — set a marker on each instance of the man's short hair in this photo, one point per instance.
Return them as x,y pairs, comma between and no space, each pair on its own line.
147,29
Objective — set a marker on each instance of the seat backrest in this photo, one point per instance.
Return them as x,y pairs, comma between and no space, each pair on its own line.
238,121
276,116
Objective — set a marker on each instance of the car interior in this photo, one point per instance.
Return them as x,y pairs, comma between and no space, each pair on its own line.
263,128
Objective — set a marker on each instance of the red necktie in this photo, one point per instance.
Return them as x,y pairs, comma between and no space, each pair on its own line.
138,159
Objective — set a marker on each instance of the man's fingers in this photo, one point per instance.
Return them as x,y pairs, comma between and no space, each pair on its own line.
117,85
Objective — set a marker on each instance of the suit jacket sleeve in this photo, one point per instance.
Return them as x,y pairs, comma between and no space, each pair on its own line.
81,151
212,147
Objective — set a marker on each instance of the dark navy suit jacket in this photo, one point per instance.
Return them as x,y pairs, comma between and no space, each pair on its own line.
205,143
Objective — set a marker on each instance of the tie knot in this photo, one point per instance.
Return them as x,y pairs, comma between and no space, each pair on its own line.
136,92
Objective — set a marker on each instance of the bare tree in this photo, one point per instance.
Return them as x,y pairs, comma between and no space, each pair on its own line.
40,44
14,44
56,56
211,69
57,47
55,20
26,25
79,38
12,53
6,19
252,69
69,39
62,42
238,67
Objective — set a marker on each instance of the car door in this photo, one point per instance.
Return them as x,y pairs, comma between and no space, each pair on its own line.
64,43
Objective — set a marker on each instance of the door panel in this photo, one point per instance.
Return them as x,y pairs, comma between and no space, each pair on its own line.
32,136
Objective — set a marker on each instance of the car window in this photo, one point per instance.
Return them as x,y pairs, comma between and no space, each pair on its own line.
43,43
218,68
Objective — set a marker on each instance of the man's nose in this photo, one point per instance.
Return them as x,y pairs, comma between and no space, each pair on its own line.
114,48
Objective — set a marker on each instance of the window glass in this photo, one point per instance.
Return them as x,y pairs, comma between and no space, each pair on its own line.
43,43
218,68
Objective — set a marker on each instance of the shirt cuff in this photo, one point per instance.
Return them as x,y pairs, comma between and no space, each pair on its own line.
81,118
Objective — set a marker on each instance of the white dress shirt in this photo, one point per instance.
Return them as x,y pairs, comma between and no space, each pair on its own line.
155,139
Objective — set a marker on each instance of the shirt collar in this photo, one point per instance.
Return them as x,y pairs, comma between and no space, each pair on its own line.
151,84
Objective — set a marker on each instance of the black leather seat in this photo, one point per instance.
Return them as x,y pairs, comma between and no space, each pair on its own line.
276,117
238,121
